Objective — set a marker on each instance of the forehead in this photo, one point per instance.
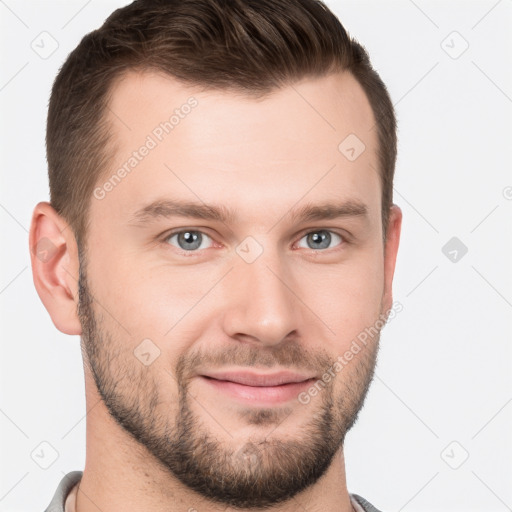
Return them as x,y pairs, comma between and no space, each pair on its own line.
315,138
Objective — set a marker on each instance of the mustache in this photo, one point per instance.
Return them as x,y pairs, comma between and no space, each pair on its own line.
286,355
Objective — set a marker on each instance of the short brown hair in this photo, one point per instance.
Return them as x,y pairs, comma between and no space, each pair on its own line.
253,46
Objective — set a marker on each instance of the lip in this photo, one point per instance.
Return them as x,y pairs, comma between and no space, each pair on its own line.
259,388
259,379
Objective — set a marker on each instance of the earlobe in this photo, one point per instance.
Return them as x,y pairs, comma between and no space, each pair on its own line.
55,267
390,254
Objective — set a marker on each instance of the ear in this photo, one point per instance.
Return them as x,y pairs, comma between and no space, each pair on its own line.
390,253
55,267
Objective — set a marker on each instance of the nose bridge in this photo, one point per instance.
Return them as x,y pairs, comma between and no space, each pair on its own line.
261,306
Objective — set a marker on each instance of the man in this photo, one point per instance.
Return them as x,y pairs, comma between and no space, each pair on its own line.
221,234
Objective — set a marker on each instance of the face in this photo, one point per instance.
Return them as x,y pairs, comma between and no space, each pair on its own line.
229,270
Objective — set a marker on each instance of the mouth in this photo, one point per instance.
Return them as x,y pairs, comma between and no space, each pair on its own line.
258,388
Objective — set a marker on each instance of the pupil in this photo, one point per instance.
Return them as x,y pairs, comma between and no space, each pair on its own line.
317,237
191,239
321,239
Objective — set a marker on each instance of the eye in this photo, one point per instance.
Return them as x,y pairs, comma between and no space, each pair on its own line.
321,239
189,240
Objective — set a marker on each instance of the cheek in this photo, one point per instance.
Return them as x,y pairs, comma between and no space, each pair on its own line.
152,301
348,298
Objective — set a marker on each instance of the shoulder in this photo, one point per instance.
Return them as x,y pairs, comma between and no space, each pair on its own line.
65,485
364,505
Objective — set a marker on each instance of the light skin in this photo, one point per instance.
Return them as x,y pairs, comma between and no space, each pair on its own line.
295,307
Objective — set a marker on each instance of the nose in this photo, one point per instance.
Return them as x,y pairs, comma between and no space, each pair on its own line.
261,307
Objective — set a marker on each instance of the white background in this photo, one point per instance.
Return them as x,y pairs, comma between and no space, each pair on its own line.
444,372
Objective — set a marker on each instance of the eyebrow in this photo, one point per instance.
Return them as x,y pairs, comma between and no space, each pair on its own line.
166,208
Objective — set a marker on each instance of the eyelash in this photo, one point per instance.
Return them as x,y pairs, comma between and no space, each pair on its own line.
165,240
